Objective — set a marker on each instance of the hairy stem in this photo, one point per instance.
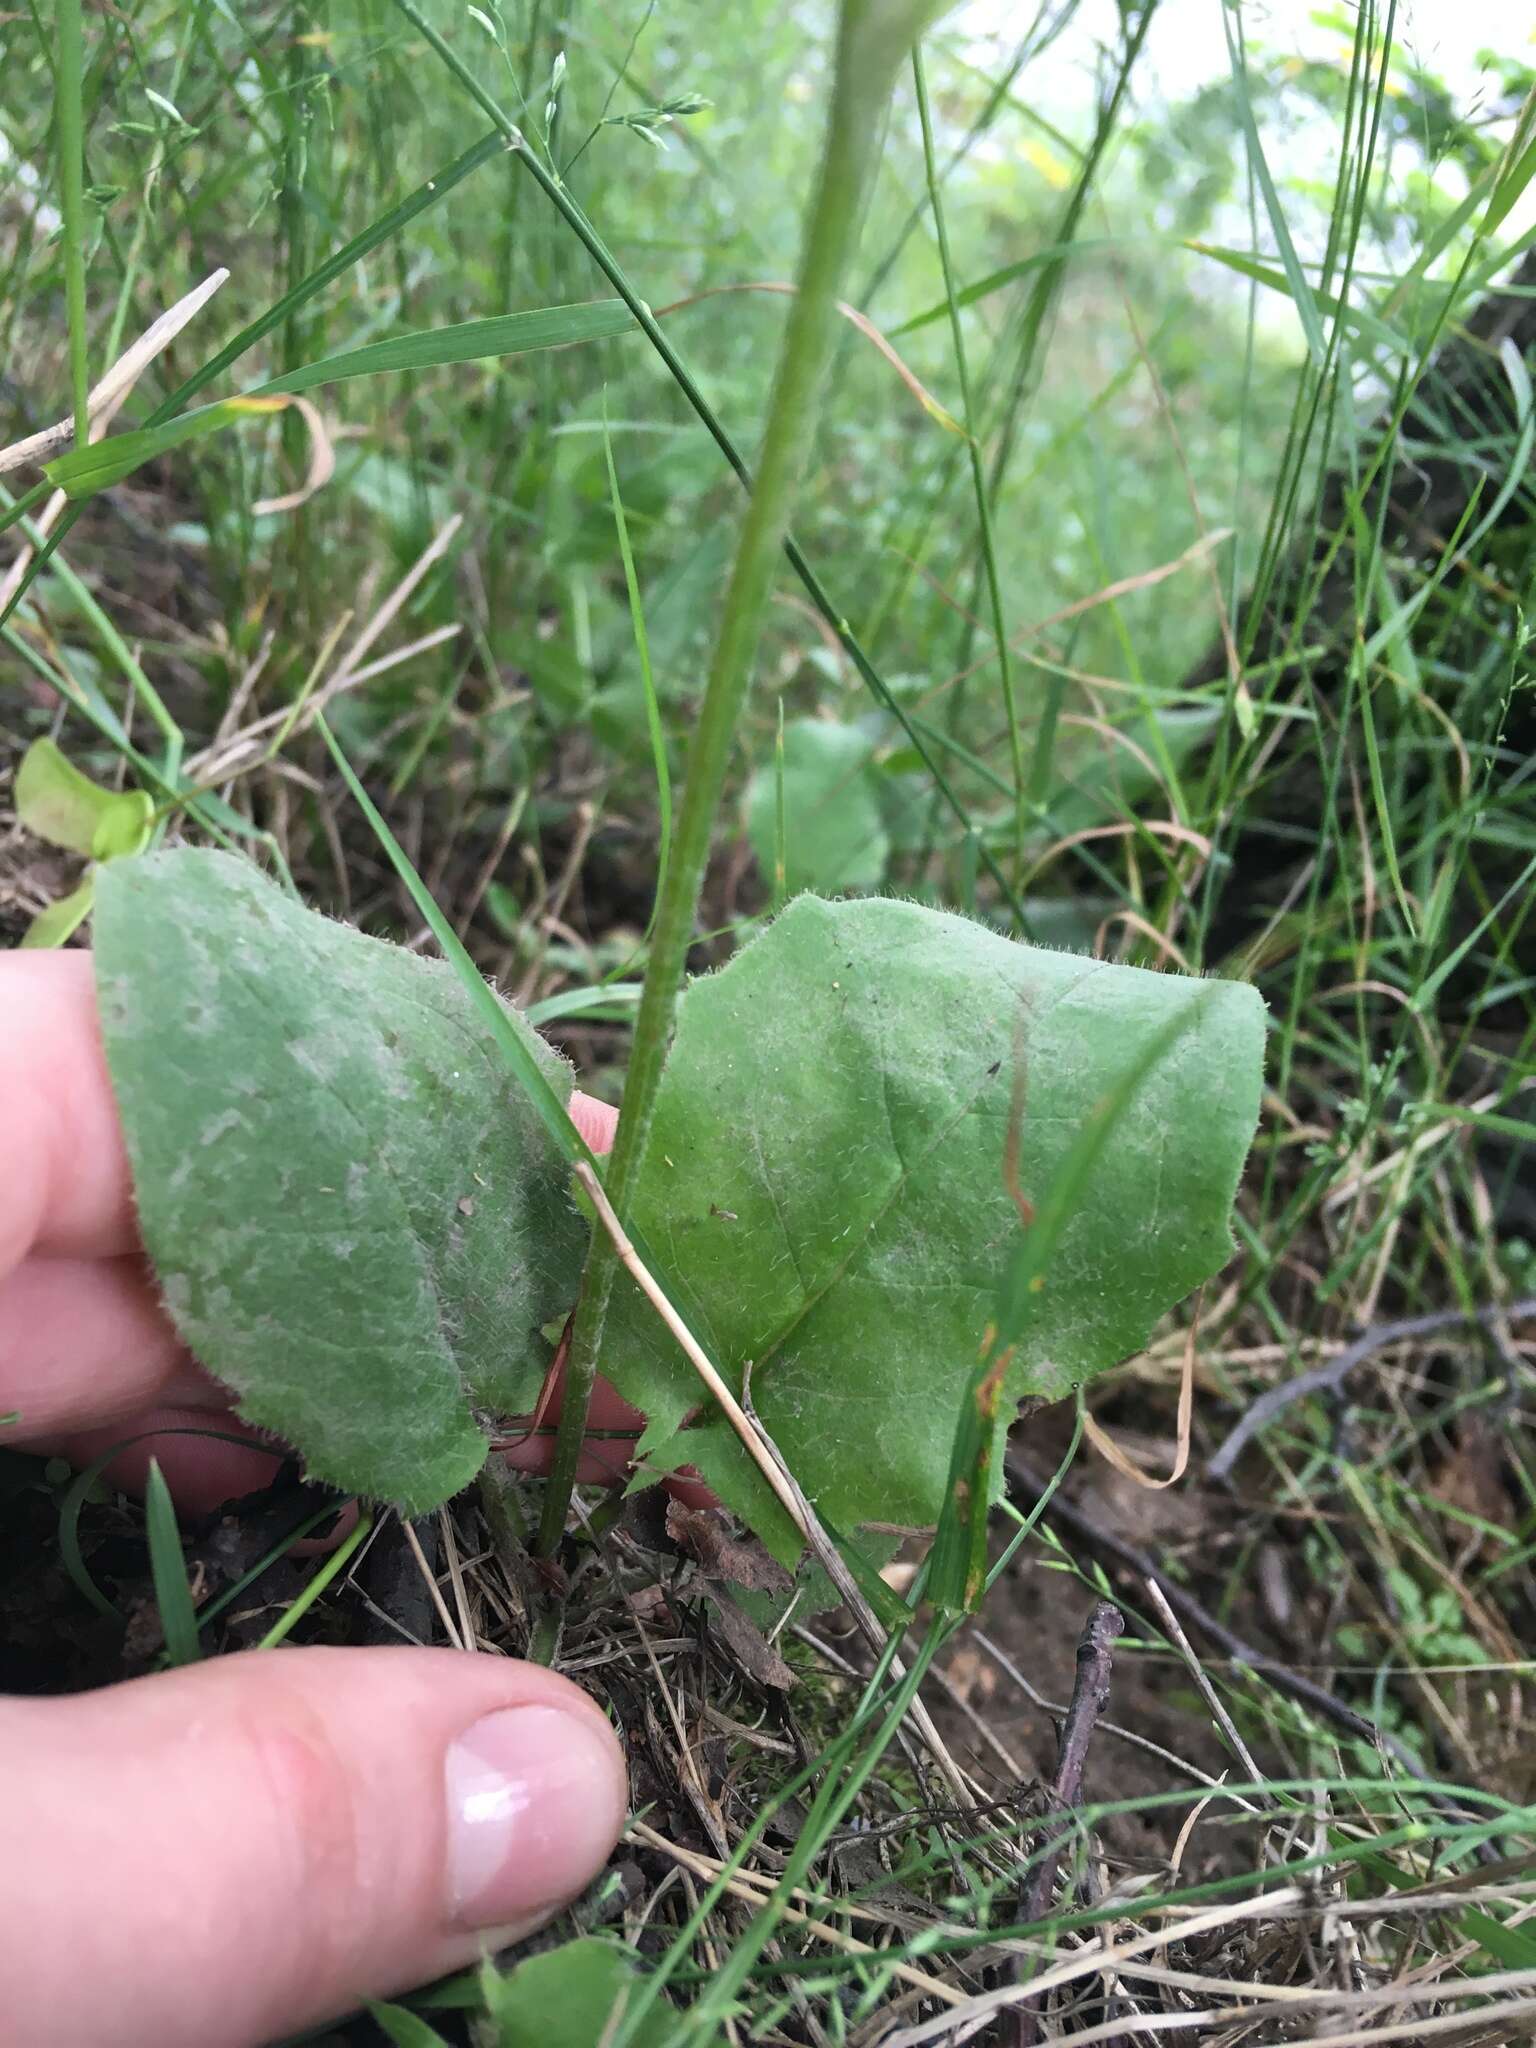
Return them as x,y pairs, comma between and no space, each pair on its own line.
873,39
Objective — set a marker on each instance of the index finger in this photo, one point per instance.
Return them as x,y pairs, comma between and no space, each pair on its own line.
65,1190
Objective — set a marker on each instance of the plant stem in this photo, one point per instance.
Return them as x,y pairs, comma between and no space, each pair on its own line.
872,41
69,120
978,470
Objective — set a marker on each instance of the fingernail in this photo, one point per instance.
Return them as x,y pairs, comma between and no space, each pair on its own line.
535,1803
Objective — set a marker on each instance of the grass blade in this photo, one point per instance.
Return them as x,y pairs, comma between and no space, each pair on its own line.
999,280
603,999
374,236
327,1575
647,680
86,470
1516,169
73,1500
780,820
1300,290
1366,325
982,494
404,2028
957,1574
168,1569
507,334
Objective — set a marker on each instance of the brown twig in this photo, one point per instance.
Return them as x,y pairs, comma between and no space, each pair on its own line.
1090,1696
105,400
1329,1377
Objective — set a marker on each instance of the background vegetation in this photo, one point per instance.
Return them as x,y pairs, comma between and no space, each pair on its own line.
1246,360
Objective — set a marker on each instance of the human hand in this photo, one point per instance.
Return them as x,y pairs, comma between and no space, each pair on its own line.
226,1853
87,1355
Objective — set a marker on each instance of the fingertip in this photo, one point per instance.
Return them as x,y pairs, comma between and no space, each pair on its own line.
530,1790
85,1341
595,1121
261,1843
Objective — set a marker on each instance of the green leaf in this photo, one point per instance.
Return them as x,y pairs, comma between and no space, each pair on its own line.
55,801
84,471
404,2028
1511,1948
507,334
58,803
825,1183
355,1216
125,826
168,1569
57,925
834,834
573,1996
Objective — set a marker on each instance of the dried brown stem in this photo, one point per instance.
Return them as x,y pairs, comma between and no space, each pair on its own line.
1090,1696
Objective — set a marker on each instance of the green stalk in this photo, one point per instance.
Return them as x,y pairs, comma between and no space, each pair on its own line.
873,39
18,508
327,1575
647,679
978,470
71,131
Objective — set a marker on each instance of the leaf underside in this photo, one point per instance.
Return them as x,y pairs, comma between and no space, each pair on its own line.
355,1218
825,1190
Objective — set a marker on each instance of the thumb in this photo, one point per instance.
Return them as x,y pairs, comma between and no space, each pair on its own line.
218,1856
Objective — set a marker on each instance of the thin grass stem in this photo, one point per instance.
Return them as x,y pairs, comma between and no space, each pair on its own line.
69,123
982,495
